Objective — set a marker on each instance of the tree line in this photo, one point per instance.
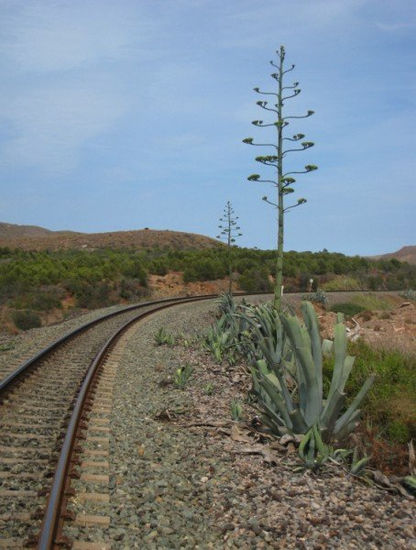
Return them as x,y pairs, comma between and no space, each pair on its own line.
99,277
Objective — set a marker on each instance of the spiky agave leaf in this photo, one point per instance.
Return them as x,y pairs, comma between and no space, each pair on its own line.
409,482
310,402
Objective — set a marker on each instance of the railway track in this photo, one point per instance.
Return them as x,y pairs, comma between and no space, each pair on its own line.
45,469
41,405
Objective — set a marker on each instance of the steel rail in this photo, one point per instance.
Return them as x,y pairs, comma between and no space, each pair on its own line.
25,367
58,489
50,523
30,362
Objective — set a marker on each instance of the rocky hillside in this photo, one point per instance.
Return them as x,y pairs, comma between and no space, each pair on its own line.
10,231
28,237
405,254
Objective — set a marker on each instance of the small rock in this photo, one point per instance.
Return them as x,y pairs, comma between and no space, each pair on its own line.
255,527
118,535
285,439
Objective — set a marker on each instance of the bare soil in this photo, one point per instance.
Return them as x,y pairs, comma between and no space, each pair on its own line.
395,329
172,284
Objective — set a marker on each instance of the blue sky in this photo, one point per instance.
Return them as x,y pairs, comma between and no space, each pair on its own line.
118,115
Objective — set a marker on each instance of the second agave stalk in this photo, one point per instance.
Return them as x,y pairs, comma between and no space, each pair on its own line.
280,208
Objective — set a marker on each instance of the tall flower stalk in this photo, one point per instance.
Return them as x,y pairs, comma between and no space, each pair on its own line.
283,181
229,231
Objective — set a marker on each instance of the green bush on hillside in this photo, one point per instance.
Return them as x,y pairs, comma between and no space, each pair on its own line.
44,299
371,302
391,402
206,269
27,279
93,296
255,280
349,309
26,319
129,290
342,283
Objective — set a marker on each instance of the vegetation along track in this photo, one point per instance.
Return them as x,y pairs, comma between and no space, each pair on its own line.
38,401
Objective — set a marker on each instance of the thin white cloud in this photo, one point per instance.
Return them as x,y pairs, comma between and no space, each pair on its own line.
63,86
265,23
52,124
58,36
395,27
166,88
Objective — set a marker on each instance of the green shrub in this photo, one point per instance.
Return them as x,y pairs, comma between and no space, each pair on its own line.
205,269
372,302
130,289
375,282
390,406
34,278
398,431
190,275
26,319
134,269
342,283
43,299
93,296
255,280
349,309
158,267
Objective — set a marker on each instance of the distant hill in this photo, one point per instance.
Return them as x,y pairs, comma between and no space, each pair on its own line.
405,254
13,231
30,237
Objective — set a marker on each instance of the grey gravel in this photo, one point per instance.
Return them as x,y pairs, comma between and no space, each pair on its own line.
45,395
179,486
179,480
15,349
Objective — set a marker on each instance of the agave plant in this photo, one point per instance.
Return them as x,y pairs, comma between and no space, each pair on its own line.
217,340
409,482
289,386
318,297
236,409
226,303
227,337
261,334
163,337
182,375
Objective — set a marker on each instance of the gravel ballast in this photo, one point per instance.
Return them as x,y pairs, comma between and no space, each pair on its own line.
183,475
186,476
15,349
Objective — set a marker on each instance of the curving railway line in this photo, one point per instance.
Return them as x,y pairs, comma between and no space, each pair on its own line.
45,407
54,435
